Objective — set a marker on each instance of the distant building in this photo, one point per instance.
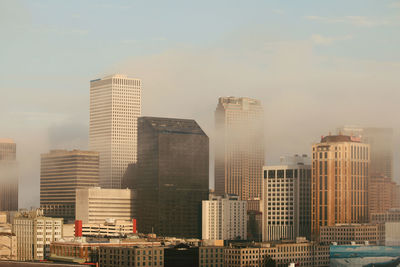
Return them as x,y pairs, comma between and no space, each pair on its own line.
381,143
239,147
343,234
96,205
224,218
35,233
116,256
287,199
392,215
115,105
392,234
61,173
382,194
211,256
8,175
8,240
110,229
171,176
301,252
340,171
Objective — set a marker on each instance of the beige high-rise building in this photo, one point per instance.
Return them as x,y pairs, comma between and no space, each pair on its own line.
8,175
340,171
115,105
35,233
61,173
239,147
96,205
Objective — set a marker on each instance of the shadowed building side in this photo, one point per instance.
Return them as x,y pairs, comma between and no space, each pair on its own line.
171,176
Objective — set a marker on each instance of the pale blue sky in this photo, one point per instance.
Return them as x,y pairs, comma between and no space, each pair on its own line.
315,65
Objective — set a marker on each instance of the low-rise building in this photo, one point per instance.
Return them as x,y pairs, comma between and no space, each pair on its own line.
211,256
392,215
8,241
301,252
347,233
109,228
116,256
35,233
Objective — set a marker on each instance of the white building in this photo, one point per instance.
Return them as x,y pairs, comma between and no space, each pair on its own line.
96,205
35,233
224,218
286,201
115,105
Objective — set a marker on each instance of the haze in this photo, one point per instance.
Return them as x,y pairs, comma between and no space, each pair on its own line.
314,65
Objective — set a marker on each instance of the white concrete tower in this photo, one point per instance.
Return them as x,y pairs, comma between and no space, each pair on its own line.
115,105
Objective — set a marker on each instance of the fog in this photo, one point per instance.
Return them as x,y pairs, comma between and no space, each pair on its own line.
304,93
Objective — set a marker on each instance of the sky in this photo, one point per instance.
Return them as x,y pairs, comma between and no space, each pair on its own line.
315,65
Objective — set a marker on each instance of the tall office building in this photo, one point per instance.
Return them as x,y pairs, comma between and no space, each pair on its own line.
8,175
287,199
239,147
381,142
224,218
382,194
61,173
171,176
115,105
340,171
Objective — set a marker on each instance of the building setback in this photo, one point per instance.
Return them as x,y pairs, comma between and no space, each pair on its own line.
287,199
61,173
8,175
96,205
340,172
171,176
115,105
224,218
239,147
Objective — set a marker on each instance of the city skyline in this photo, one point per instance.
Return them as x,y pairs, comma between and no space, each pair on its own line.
284,69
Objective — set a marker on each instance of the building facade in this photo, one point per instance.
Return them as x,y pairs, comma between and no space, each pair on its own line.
239,147
382,194
8,175
61,173
116,256
343,234
8,240
301,252
115,105
287,199
392,215
340,171
96,205
35,233
224,218
171,176
211,256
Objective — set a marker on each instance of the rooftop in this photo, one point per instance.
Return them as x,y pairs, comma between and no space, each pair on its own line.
173,125
339,138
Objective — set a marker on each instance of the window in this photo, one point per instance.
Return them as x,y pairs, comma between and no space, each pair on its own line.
280,173
271,174
289,173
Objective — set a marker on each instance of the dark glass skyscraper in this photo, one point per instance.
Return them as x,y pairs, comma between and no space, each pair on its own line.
171,176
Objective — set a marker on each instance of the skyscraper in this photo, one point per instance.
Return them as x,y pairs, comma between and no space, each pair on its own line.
239,147
381,142
287,199
115,105
340,171
8,175
61,173
171,176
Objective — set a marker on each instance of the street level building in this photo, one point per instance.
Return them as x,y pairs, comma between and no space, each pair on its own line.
286,199
224,218
340,171
211,255
8,175
96,205
392,215
115,105
116,256
171,177
239,147
35,233
8,240
61,173
343,234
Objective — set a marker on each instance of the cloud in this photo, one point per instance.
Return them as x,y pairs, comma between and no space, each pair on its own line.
324,40
360,21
